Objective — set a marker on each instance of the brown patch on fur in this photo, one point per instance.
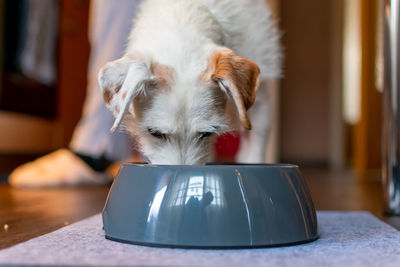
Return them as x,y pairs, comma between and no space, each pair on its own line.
141,105
118,88
205,76
164,74
107,95
240,77
124,96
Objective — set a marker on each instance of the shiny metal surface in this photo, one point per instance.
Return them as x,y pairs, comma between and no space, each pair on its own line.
215,206
391,112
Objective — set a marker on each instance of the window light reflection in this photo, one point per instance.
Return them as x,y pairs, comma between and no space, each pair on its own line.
155,206
195,187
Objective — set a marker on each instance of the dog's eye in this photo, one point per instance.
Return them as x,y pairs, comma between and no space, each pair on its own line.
156,133
205,134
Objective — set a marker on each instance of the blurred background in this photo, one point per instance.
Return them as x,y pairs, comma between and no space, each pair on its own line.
327,108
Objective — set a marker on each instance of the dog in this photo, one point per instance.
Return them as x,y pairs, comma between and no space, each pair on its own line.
191,71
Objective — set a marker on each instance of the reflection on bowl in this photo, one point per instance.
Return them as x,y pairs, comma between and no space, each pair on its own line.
212,206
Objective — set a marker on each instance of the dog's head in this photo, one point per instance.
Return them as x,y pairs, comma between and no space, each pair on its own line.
173,116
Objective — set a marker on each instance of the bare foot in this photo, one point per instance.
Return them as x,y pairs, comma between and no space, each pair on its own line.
59,168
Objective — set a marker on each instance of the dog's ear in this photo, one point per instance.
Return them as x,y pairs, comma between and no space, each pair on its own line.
120,82
239,77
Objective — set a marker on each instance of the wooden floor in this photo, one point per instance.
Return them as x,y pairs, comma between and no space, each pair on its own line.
30,213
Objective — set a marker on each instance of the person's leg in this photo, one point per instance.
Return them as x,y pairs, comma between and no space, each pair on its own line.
109,28
110,23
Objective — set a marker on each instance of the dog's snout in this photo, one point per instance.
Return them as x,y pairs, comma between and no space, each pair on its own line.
179,155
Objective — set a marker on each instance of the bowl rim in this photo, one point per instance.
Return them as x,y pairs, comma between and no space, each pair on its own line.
216,165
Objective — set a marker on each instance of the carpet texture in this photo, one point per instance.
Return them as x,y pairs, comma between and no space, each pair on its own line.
346,239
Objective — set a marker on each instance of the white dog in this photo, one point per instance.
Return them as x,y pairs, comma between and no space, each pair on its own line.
191,71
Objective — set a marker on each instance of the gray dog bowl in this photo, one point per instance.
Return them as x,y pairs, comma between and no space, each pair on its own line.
211,206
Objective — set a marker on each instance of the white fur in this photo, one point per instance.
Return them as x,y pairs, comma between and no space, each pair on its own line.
182,34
